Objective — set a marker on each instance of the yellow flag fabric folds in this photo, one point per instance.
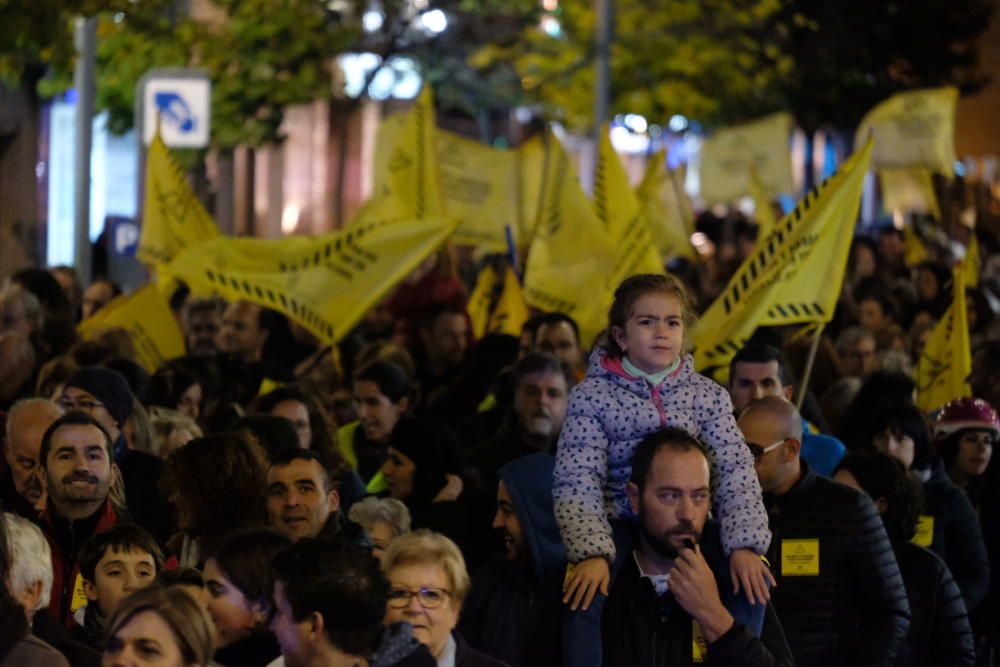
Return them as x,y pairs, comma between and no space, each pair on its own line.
480,305
618,208
570,257
727,156
909,190
662,202
972,264
326,283
946,360
763,213
146,316
913,129
914,249
173,218
511,311
794,275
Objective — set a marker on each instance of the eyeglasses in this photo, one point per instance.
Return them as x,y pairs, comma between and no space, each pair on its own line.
85,404
429,598
758,451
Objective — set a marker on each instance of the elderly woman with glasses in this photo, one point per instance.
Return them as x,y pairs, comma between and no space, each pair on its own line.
428,582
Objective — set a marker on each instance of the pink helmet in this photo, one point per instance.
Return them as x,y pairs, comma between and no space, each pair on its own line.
965,413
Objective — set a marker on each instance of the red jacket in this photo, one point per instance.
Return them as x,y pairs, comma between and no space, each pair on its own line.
65,539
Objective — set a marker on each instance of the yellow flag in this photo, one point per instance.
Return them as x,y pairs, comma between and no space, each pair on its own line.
146,316
794,275
530,166
972,264
726,158
511,311
570,257
909,190
480,305
914,250
913,129
763,213
618,208
406,173
946,360
325,283
173,218
662,199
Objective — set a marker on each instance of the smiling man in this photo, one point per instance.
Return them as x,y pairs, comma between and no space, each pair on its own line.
302,500
78,471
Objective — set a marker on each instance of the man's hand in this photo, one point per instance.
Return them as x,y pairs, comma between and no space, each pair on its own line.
588,577
693,585
450,491
752,574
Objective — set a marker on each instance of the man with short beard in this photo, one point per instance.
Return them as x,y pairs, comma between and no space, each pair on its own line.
541,388
672,603
76,455
21,488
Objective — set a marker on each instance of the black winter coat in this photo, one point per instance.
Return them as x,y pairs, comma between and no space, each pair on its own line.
940,635
958,538
854,611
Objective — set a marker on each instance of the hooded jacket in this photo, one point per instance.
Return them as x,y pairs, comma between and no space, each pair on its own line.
608,415
513,610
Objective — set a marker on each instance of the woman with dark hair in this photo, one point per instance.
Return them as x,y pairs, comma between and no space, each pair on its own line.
17,646
316,432
948,526
383,393
175,388
939,633
881,390
218,485
240,586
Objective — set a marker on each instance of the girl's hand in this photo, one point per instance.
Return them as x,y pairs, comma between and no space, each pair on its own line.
451,491
751,573
586,579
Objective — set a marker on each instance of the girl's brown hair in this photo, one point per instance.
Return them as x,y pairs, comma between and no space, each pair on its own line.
631,290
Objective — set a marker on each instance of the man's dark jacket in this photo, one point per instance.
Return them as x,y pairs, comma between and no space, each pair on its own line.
641,628
854,612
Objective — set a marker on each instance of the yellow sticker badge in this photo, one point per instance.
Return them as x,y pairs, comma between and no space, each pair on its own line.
699,647
799,558
925,531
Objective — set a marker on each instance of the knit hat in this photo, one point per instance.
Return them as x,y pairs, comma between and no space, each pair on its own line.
966,413
108,387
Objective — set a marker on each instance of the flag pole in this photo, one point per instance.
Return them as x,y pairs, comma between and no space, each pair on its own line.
804,384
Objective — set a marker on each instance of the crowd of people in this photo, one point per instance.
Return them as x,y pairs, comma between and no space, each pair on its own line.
413,496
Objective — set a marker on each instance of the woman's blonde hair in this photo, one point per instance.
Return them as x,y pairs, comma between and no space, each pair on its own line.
163,422
424,547
187,620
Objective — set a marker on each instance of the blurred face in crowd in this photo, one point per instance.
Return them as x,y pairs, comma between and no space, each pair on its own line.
927,284
525,343
297,413
233,613
176,439
146,640
118,574
381,535
14,315
296,638
446,339
399,471
189,403
896,444
74,398
78,470
653,336
430,610
24,440
509,524
864,261
377,414
859,360
751,381
890,245
298,500
540,404
674,504
68,284
559,339
96,297
242,336
202,332
975,448
872,317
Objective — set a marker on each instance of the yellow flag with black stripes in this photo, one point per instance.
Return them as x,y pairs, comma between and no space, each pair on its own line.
946,360
511,311
662,201
794,275
146,317
618,208
172,217
570,257
480,305
326,283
